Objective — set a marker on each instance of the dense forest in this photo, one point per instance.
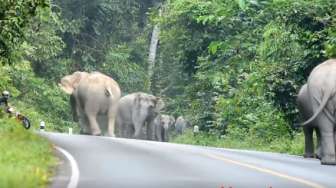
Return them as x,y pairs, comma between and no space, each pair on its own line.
232,67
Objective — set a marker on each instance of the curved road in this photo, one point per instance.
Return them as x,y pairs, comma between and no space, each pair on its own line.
126,163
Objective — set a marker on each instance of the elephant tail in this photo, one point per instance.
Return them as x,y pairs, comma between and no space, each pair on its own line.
327,113
321,108
108,92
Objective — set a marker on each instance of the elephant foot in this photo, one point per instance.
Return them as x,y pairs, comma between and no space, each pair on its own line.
111,135
96,134
84,133
317,156
309,155
328,161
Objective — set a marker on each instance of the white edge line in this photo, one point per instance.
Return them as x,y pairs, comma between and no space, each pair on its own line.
74,168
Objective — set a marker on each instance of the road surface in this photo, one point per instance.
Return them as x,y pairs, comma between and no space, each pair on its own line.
94,162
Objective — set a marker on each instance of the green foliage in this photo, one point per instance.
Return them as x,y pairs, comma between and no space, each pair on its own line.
246,60
35,98
25,157
231,67
14,18
130,75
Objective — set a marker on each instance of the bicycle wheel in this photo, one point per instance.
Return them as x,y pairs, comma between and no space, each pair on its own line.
26,123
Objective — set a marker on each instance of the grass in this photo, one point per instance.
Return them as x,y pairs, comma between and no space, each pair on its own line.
294,146
26,160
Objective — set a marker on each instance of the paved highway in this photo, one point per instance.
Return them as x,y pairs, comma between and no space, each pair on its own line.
93,162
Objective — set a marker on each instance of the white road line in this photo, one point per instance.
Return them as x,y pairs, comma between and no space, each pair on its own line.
74,168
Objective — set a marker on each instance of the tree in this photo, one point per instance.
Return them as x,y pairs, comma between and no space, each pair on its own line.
14,18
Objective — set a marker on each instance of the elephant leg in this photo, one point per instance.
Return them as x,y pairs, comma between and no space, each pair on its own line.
137,129
91,111
327,140
309,142
151,131
83,123
117,129
127,131
111,126
158,135
94,127
74,109
165,135
112,120
318,146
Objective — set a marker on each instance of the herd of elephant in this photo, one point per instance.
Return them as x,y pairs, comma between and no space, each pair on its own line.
99,109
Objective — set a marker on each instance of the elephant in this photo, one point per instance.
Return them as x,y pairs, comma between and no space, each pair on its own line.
93,99
134,112
162,125
321,88
306,111
181,124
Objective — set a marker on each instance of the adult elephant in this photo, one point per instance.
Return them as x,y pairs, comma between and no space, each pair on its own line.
306,111
321,87
135,111
93,99
162,125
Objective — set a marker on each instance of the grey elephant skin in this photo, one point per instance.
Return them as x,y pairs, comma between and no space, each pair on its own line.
306,111
93,99
181,124
163,123
136,112
321,87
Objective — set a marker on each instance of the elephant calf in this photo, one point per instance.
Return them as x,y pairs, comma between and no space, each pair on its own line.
181,124
162,125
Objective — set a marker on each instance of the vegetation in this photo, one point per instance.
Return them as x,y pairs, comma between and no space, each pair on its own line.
294,146
25,157
232,67
243,63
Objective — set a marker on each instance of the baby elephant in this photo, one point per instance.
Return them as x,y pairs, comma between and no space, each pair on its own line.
162,124
181,124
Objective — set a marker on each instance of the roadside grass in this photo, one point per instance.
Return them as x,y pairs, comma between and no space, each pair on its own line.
294,145
26,159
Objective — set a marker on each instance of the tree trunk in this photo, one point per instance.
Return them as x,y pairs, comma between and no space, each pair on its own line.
152,52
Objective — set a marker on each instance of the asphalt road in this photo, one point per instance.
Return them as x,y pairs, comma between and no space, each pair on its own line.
92,162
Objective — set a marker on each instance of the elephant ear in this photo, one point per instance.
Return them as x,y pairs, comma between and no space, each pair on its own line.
159,105
65,86
69,83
